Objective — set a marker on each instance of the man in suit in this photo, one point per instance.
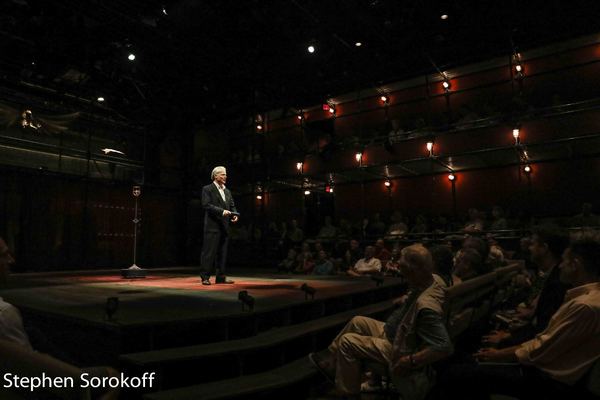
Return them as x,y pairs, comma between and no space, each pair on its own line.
219,208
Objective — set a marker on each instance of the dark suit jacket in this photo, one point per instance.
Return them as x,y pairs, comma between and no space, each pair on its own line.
213,204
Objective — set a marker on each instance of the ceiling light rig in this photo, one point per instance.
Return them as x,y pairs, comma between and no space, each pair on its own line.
519,71
358,157
131,57
385,100
311,49
358,44
387,183
451,177
444,17
527,169
100,99
300,166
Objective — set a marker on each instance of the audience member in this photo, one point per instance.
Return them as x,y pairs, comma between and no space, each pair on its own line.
398,227
295,234
368,265
547,293
381,252
499,222
443,263
412,338
328,231
586,218
323,265
305,260
392,266
475,222
289,263
552,365
468,265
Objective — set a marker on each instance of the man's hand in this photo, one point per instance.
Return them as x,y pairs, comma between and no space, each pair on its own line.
496,355
226,213
234,218
496,337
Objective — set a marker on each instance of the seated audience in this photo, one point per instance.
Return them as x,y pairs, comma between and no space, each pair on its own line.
305,260
398,227
554,364
381,252
475,222
468,265
328,231
368,265
547,292
443,263
295,234
375,227
352,255
420,225
289,263
392,266
586,218
323,265
499,222
412,338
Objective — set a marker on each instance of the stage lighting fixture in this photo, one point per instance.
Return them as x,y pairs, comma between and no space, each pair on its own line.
527,169
308,291
388,183
384,99
246,300
358,157
444,16
100,99
329,189
259,127
299,166
164,11
325,107
300,117
258,197
516,134
131,57
108,151
306,192
446,85
332,110
358,44
451,177
518,68
311,49
430,148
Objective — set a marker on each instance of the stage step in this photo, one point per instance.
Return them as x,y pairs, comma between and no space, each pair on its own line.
186,365
262,385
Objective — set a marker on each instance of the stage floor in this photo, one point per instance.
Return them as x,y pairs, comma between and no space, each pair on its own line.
168,296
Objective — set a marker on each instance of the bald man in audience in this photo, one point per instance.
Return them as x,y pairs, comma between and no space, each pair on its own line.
412,338
369,265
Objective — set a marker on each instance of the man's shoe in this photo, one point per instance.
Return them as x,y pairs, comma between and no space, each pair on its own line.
322,366
222,279
205,282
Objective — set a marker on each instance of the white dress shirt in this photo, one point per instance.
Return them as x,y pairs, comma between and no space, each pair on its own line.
221,189
11,325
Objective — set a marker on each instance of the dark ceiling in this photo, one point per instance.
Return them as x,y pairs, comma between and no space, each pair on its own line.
202,61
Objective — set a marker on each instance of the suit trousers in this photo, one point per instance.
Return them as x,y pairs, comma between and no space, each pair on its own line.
362,339
214,253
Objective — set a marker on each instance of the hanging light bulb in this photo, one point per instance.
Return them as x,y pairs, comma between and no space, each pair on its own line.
527,169
358,157
451,177
430,148
299,166
388,183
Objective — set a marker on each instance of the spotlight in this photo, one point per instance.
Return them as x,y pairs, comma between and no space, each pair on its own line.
259,127
332,110
299,166
300,117
131,57
306,192
444,17
516,134
388,183
311,49
246,300
100,99
527,169
451,177
358,44
358,157
325,107
518,68
164,11
329,188
111,307
384,99
446,85
258,197
430,148
108,151
308,291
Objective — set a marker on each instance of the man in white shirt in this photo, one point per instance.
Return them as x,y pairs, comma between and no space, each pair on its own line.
368,265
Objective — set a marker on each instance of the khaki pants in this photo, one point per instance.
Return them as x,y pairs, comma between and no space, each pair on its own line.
362,339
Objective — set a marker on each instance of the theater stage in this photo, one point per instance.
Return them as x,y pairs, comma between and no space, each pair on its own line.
172,308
